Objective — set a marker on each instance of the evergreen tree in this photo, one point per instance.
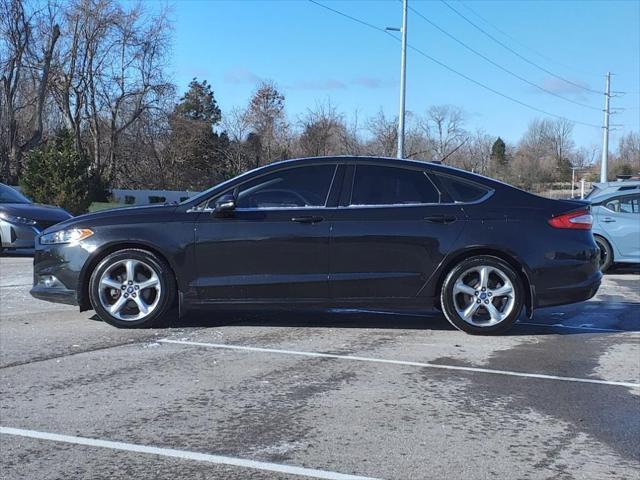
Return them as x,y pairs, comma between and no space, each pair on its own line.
498,153
58,174
195,148
199,104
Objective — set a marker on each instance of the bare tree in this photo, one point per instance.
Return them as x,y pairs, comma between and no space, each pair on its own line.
443,126
475,154
323,131
629,151
110,71
385,135
25,65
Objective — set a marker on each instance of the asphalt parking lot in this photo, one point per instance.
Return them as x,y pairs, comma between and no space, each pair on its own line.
327,395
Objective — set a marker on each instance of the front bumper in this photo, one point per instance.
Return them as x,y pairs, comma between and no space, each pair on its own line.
16,235
54,294
56,272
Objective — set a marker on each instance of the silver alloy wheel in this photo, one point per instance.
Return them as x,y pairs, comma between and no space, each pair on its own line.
483,296
130,290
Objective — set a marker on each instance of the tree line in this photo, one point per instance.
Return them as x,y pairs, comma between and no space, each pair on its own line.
86,105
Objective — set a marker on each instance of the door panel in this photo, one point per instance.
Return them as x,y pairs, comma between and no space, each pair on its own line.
274,245
263,255
389,252
620,218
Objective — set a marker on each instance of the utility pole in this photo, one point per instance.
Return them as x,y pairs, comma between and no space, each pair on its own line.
403,79
605,139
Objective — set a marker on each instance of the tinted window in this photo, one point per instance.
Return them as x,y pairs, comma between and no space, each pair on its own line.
294,187
630,204
462,190
378,185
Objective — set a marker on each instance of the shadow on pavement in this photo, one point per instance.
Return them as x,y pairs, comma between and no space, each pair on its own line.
627,268
588,318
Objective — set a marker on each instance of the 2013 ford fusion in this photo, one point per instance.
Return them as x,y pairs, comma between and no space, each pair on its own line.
330,232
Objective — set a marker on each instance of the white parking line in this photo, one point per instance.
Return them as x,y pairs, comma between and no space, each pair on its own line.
403,362
183,454
560,325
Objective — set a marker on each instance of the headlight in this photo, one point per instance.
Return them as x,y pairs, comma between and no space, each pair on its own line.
14,219
73,235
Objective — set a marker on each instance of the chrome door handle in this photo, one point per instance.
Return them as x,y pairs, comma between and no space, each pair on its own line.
608,220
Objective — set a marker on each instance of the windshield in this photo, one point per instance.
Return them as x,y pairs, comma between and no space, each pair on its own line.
11,195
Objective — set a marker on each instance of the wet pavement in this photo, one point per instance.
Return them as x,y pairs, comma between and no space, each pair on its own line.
323,395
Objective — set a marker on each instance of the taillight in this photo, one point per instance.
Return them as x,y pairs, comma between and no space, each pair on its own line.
580,220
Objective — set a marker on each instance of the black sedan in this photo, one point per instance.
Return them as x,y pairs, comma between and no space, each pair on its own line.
338,232
21,219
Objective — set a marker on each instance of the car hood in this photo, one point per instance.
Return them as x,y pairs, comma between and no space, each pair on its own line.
35,211
89,219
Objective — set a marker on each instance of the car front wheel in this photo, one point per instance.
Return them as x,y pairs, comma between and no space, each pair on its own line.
482,295
132,288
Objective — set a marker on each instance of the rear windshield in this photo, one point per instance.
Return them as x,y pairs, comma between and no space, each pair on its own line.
594,191
461,190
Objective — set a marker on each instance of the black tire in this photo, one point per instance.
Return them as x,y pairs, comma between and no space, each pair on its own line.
162,299
500,273
606,253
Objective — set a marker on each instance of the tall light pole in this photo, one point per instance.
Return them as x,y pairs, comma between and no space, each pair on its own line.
403,80
605,139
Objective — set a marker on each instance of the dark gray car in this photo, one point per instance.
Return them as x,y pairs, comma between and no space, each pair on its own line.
21,219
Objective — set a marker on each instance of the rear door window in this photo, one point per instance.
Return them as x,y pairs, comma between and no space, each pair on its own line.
628,204
381,185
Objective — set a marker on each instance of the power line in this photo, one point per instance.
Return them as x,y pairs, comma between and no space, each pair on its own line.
417,50
496,64
466,77
362,22
526,47
522,57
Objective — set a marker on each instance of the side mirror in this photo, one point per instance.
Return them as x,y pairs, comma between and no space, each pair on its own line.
226,203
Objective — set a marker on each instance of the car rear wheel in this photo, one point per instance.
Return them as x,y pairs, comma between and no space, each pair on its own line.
606,255
482,295
132,288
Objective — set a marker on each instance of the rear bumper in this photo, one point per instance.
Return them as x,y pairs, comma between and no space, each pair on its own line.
570,294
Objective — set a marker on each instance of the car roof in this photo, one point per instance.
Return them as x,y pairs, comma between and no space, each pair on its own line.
391,161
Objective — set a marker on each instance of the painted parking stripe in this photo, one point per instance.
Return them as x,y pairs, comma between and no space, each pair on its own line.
182,454
403,362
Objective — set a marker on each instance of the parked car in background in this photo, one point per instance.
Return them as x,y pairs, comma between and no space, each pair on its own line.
335,232
21,219
619,186
616,226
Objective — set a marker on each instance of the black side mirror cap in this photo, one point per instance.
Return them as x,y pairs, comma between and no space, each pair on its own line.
226,203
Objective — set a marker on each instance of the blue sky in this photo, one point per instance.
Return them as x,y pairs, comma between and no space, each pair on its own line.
313,54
